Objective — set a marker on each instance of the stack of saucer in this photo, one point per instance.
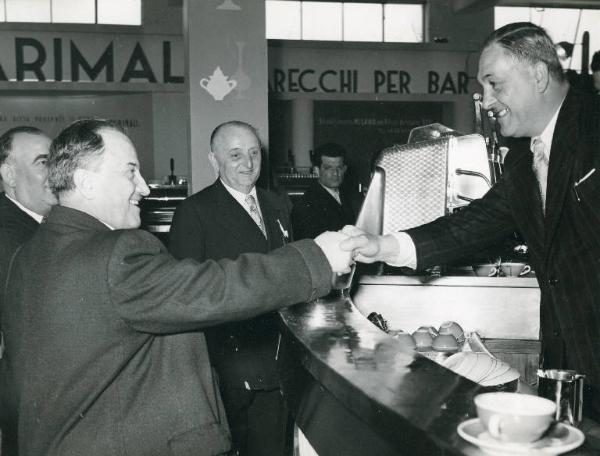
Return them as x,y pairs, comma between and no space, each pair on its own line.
481,368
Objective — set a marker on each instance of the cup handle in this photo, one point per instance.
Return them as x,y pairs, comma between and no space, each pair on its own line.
493,272
495,426
526,270
203,83
232,83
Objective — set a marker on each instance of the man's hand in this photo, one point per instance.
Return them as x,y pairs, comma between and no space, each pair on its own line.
339,260
368,248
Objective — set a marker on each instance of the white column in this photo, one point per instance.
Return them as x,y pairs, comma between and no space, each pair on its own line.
302,131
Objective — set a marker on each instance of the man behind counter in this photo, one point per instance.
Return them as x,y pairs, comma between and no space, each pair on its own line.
226,219
111,359
325,205
25,201
550,194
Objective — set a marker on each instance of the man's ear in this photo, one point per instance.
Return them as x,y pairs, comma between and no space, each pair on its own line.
213,161
8,175
84,183
541,76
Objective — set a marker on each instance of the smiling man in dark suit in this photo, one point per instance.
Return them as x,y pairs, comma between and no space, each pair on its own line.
106,342
25,201
550,194
27,197
326,205
230,217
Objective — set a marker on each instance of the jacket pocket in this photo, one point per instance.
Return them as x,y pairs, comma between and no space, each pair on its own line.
587,187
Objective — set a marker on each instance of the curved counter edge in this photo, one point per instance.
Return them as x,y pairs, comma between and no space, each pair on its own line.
354,390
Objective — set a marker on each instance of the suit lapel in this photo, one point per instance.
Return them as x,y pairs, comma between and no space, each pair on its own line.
234,214
566,135
271,218
528,201
329,200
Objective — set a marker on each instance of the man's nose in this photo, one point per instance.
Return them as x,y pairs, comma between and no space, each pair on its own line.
142,187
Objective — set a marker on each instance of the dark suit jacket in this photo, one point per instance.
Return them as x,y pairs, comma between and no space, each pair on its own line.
564,245
16,227
317,211
109,359
211,224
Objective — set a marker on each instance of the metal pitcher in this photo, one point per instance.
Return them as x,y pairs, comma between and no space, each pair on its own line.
565,388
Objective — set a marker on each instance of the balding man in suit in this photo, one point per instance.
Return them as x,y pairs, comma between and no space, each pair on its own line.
25,201
228,218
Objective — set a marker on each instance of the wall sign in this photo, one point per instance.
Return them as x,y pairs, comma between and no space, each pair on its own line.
91,57
324,70
378,81
133,112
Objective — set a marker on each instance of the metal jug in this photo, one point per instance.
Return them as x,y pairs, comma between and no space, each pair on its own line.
565,388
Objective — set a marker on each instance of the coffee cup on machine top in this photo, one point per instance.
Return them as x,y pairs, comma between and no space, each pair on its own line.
513,269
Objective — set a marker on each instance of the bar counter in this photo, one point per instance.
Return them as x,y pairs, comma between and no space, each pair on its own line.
354,390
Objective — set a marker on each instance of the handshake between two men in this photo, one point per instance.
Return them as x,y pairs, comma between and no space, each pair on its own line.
343,248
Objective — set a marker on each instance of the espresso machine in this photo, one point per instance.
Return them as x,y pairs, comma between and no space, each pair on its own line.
437,172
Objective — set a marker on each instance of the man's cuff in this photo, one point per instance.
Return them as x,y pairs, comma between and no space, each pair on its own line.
407,252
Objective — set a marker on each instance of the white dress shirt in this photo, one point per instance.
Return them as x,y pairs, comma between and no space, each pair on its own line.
37,217
241,198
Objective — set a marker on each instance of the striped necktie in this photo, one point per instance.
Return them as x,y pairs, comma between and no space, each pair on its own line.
540,167
255,214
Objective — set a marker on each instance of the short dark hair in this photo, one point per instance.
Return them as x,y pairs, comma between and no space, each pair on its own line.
530,43
231,123
6,139
73,149
328,150
595,66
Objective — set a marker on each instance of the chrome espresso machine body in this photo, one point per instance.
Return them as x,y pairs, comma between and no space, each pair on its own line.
437,172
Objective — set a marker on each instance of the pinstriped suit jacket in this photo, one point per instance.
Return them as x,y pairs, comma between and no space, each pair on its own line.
564,245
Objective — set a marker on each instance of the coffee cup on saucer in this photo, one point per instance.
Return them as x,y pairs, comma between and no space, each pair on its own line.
514,417
513,269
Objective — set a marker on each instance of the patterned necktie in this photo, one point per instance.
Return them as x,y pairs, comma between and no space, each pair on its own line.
255,214
540,167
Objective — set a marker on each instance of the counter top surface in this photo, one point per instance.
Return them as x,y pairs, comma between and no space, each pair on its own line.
452,281
381,382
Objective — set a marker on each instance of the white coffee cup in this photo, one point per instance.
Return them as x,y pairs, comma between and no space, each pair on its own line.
514,417
511,269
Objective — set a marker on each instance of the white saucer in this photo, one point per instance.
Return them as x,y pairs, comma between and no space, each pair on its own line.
561,439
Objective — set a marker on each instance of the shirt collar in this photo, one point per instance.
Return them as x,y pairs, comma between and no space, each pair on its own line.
548,133
37,217
335,192
240,197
